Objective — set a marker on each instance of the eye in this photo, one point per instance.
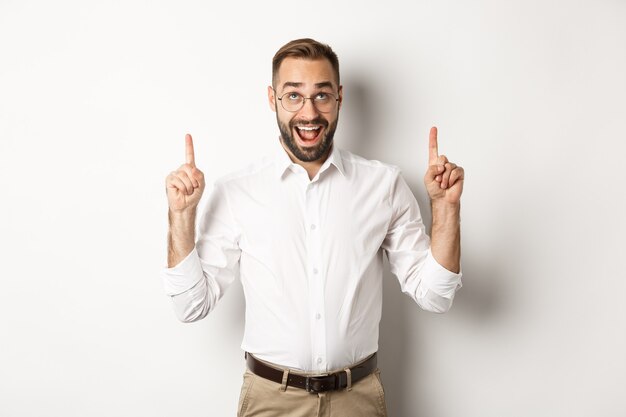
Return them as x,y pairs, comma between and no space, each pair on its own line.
322,97
293,96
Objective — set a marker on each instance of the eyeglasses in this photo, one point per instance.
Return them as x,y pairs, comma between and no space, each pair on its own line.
323,102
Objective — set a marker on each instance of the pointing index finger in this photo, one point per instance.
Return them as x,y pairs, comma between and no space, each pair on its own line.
189,155
433,153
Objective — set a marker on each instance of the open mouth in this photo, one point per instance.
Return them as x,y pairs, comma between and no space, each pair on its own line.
308,135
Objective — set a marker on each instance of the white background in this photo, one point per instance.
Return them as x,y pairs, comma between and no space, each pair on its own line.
529,97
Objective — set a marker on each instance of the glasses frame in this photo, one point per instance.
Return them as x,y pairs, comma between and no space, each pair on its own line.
304,99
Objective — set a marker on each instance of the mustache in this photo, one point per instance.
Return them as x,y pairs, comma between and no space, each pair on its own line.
316,121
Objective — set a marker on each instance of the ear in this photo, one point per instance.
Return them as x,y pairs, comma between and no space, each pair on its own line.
271,98
340,96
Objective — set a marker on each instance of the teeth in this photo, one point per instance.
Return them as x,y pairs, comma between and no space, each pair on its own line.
308,128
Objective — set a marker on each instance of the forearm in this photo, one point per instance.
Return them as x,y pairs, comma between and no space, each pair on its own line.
181,235
446,235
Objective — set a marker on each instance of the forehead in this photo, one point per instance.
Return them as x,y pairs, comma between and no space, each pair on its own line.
306,71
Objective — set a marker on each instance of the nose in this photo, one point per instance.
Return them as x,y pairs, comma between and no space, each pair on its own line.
308,110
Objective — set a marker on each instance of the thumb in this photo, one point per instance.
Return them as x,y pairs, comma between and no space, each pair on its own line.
432,172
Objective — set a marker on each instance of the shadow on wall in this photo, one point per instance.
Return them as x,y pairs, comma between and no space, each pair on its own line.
358,117
399,354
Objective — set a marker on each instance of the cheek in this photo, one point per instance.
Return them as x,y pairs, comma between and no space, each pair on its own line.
285,119
282,119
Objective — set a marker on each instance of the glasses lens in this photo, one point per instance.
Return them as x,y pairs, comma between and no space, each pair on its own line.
292,101
324,102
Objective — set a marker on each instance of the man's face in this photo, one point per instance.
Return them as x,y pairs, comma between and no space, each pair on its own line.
307,133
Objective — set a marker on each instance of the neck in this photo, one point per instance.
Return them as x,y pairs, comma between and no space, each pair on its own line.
312,167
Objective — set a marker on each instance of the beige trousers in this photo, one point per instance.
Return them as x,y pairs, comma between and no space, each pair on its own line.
264,398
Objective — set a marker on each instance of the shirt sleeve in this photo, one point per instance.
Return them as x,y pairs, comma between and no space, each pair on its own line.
198,282
408,249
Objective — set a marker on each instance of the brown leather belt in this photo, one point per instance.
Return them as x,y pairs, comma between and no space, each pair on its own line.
315,383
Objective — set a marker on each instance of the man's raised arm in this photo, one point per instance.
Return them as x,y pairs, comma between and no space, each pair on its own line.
184,189
444,183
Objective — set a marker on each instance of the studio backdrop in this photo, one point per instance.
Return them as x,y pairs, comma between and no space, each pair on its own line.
528,96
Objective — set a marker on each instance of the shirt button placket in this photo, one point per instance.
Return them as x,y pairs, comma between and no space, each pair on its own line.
316,287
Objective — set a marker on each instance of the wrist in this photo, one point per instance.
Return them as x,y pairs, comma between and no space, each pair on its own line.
440,202
182,223
445,207
182,216
445,213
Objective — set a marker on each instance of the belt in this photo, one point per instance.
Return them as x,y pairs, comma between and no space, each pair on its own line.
314,383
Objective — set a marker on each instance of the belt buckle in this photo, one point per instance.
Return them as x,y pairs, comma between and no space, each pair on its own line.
311,389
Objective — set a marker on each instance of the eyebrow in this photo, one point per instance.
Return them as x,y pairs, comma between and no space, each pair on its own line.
298,85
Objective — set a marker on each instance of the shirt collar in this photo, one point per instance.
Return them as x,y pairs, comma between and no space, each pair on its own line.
283,162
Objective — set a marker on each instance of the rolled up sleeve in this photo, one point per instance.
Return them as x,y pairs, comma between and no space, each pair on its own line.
407,246
200,280
183,276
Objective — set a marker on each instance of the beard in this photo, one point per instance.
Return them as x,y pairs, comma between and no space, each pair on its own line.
312,153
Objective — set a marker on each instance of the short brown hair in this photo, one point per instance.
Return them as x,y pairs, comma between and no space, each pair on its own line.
304,48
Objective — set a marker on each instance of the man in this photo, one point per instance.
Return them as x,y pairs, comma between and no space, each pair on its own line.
305,230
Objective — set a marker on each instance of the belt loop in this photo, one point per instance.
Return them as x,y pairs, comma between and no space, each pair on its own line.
349,375
283,385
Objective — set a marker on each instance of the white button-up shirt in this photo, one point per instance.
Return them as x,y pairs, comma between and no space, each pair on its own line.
309,254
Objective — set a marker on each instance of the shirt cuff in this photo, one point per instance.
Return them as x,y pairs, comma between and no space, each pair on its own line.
183,276
438,279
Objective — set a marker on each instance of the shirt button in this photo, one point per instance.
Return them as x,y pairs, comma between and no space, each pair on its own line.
319,360
315,270
312,227
318,316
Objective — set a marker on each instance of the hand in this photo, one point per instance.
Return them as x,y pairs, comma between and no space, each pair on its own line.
443,179
184,186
